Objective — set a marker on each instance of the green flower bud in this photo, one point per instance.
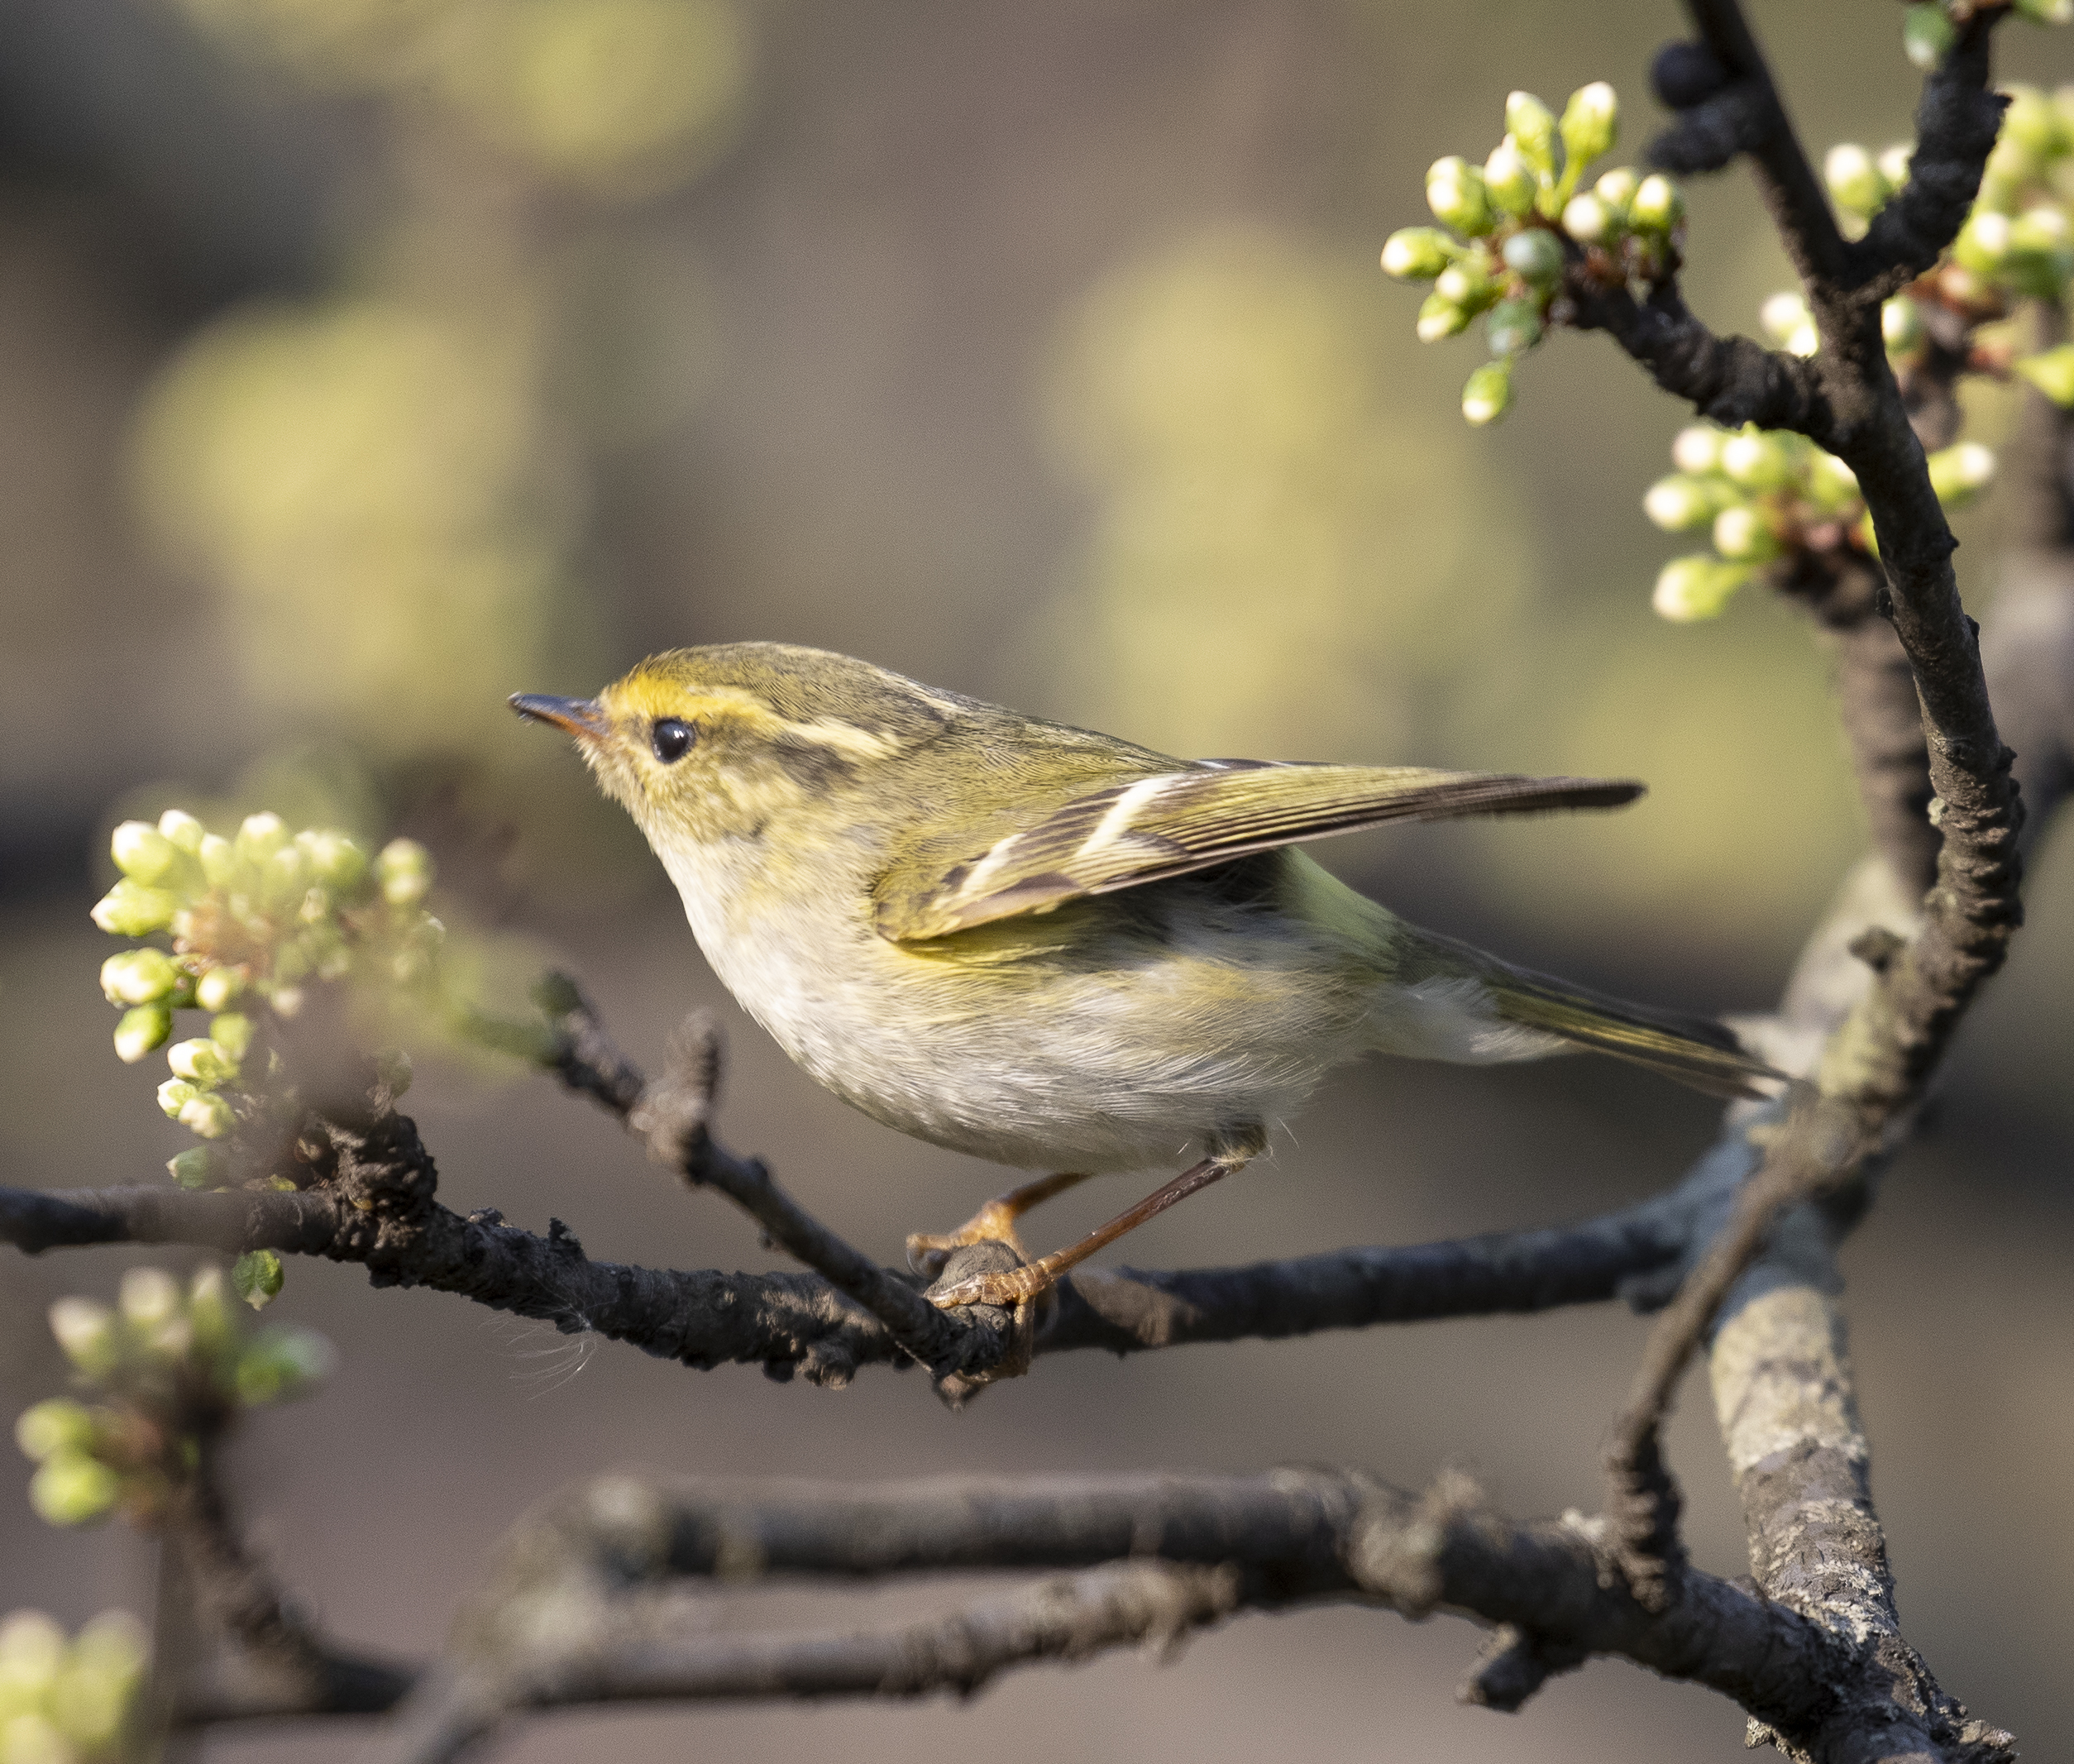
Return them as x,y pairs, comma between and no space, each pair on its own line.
1679,504
148,1297
1741,534
1617,189
86,1334
1531,124
256,1277
1658,205
1959,474
138,977
130,909
282,1363
2031,121
1755,460
72,1489
232,1032
341,862
1983,243
1513,325
1854,179
202,1061
1927,36
1439,318
142,1028
1691,589
208,1116
197,1167
31,1647
1417,254
183,830
1510,179
1591,122
219,860
404,870
2053,373
219,987
1589,220
259,837
1833,487
1698,449
174,1094
2041,251
209,1307
1455,192
143,853
1894,162
1488,393
2046,11
1534,254
1786,320
284,877
1901,326
56,1424
1465,284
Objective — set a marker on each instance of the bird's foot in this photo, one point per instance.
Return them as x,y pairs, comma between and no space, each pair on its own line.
993,1223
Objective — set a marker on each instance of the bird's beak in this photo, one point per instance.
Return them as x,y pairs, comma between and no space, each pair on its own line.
584,718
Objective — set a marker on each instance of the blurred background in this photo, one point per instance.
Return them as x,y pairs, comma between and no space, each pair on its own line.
362,361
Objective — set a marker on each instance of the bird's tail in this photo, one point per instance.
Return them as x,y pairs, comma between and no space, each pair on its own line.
1695,1050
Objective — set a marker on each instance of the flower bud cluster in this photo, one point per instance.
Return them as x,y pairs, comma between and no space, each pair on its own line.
258,915
69,1699
1511,228
1763,496
167,1361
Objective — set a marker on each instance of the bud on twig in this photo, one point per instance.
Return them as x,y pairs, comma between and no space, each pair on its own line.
1455,192
1697,587
1488,393
142,1028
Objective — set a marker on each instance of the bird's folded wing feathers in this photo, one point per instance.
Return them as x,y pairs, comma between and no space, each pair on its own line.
1169,822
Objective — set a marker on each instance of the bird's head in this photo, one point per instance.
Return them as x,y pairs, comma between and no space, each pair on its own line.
720,743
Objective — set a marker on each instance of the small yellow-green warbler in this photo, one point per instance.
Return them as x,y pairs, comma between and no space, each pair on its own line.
1050,948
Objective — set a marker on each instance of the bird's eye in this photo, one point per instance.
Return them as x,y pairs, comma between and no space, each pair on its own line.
671,738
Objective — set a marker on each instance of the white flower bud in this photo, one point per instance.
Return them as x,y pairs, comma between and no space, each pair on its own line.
1591,122
1927,35
70,1489
1894,162
405,868
1698,449
1901,325
259,836
1509,179
201,1061
1679,504
1755,460
55,1425
183,830
1416,254
232,1032
1531,124
1959,474
1691,589
1832,485
130,909
1617,189
139,977
1741,534
1488,393
1854,179
85,1333
148,1297
1983,244
195,1167
219,987
143,853
219,860
1659,204
1534,255
208,1116
1589,220
142,1028
1455,192
174,1094
1782,314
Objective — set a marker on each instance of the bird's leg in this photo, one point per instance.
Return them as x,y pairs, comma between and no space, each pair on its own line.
995,1222
1018,1285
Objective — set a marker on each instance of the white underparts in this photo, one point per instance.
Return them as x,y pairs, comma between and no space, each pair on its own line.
1454,1018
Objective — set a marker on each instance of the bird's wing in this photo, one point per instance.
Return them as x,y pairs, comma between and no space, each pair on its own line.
1169,822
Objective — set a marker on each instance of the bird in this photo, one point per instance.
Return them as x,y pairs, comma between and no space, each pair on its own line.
1054,949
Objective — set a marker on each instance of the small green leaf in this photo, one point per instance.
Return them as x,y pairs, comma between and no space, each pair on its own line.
256,1277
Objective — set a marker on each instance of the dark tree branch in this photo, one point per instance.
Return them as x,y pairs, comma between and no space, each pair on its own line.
1955,127
787,1322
